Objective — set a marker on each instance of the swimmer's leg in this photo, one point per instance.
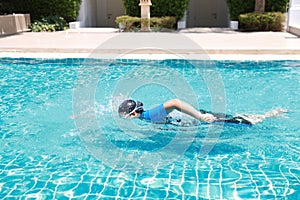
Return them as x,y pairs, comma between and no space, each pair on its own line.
217,115
254,119
246,118
238,120
225,118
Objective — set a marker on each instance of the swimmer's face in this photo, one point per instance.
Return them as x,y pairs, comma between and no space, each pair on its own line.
130,109
132,115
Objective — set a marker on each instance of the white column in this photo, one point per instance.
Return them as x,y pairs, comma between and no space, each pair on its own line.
145,13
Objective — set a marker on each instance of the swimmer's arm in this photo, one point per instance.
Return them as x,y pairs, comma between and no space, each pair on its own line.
176,104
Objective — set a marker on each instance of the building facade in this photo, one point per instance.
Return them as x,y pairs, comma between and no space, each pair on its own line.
207,13
200,13
100,13
293,25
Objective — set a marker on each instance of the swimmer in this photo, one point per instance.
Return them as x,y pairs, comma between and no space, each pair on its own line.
131,109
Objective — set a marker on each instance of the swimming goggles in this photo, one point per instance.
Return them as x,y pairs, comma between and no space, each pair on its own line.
134,110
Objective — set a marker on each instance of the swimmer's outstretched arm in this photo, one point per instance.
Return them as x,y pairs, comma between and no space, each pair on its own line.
176,104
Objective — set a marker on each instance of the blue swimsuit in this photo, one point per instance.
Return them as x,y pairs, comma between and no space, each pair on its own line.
155,115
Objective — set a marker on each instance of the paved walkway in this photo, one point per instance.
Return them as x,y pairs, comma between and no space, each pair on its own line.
190,41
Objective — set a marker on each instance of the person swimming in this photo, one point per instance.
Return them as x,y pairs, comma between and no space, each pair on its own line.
130,109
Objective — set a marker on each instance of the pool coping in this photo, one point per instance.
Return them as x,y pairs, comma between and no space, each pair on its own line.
154,56
220,46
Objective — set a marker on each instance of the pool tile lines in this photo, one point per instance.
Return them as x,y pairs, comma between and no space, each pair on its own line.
286,180
294,175
294,148
208,182
182,180
125,187
33,190
150,182
169,181
11,163
135,179
92,182
11,190
122,179
214,178
252,180
105,184
220,182
235,192
197,177
270,185
81,188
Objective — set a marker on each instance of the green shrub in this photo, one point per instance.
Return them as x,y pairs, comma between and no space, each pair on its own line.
271,21
40,26
237,7
49,24
163,23
68,9
129,23
156,23
159,8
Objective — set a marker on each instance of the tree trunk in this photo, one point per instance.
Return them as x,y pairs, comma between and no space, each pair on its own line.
260,6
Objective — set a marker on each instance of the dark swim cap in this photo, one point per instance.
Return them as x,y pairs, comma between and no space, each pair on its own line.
130,105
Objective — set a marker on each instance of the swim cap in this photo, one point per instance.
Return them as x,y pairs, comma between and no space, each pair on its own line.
129,106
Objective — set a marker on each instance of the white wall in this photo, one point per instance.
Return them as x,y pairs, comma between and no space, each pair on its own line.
102,6
100,13
87,13
294,17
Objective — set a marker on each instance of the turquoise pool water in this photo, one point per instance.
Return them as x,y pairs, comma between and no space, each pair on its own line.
45,155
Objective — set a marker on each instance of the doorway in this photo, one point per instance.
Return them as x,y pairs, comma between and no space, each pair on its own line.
207,13
107,11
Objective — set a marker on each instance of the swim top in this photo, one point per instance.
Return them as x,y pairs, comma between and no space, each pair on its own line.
155,115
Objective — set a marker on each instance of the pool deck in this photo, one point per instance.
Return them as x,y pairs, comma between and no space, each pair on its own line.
217,43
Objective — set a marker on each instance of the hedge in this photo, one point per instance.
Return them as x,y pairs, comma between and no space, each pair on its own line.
49,24
237,7
271,21
68,9
156,23
159,8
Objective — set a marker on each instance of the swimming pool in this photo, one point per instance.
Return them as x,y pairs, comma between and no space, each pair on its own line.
45,155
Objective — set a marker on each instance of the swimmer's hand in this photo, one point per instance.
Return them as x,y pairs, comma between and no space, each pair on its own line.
207,117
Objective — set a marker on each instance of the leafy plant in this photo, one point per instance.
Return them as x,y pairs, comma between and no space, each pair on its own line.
271,21
129,23
68,9
39,26
49,24
237,7
163,22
